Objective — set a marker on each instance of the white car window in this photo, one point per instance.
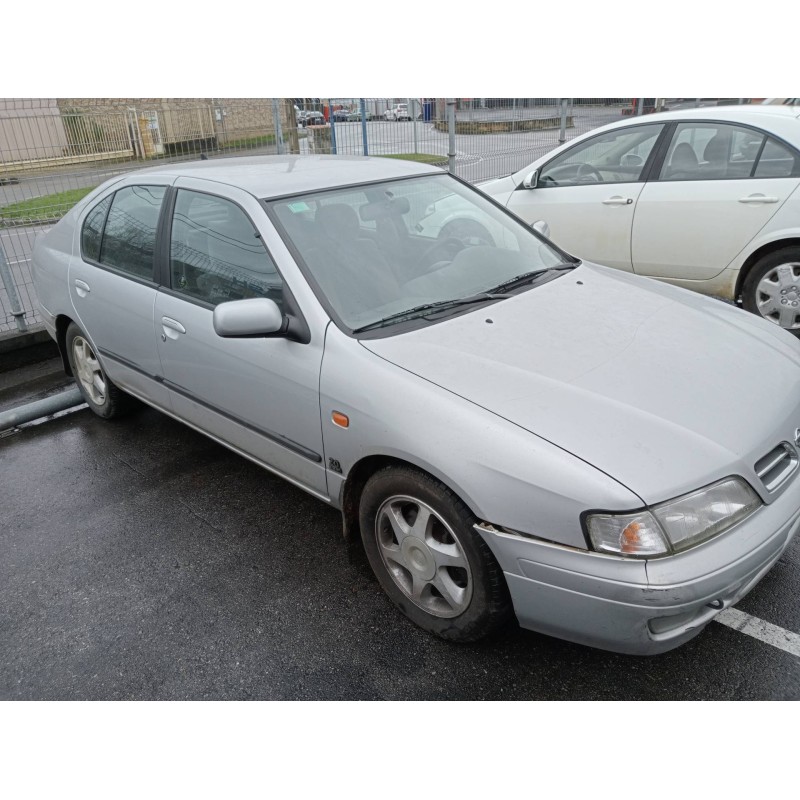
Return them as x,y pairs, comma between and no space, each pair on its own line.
717,151
618,156
777,161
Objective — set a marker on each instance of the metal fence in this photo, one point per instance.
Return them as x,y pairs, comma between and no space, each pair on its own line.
53,152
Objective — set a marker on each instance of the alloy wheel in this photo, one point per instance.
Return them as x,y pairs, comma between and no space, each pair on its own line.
423,556
89,371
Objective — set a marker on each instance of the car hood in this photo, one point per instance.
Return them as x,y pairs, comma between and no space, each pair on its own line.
662,389
500,189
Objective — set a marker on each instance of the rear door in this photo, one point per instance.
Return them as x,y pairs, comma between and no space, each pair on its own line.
588,194
112,285
718,185
259,395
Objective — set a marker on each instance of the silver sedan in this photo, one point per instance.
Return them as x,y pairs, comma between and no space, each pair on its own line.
509,431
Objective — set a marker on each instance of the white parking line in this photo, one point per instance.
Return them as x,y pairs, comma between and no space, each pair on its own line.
759,629
18,261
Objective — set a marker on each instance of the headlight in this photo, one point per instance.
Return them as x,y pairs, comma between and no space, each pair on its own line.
676,524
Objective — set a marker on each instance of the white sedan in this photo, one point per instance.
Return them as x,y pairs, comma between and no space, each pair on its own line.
703,198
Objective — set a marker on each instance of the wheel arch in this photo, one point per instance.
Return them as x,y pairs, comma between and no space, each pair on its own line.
62,323
757,255
357,479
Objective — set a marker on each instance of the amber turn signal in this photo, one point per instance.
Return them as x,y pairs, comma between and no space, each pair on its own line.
342,420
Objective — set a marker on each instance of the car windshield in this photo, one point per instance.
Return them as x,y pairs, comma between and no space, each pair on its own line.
374,252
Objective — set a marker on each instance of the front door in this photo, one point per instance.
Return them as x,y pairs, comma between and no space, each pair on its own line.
260,395
588,194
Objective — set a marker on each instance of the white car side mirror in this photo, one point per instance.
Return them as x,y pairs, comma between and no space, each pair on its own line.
531,179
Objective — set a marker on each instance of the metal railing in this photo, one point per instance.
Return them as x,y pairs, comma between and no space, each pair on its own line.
53,152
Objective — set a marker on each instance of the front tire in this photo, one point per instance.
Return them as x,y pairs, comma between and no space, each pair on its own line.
419,540
772,288
101,395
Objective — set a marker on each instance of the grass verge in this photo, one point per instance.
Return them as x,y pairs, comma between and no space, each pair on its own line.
422,158
50,206
54,206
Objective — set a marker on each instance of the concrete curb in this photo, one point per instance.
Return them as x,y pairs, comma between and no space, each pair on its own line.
19,349
16,340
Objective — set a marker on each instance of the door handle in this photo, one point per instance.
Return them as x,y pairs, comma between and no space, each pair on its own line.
758,198
616,200
171,328
82,288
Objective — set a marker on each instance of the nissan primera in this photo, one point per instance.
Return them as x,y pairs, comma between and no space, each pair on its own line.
511,432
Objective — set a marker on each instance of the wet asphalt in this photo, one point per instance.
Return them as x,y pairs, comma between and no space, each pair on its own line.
140,560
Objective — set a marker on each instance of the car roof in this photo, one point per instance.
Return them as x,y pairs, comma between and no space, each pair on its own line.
781,121
766,117
731,112
274,176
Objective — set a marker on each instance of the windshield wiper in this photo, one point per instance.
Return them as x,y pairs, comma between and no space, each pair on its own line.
439,305
530,277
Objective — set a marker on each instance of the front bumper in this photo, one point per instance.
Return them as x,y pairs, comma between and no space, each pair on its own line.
635,606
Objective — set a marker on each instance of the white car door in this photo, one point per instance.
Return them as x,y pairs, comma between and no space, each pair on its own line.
588,194
719,184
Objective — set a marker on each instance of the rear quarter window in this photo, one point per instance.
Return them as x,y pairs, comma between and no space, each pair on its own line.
92,231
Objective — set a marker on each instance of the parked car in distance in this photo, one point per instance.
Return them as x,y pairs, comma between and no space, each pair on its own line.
311,118
509,431
355,115
706,199
341,114
397,113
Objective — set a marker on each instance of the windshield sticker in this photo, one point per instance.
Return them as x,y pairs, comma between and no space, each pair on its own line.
297,208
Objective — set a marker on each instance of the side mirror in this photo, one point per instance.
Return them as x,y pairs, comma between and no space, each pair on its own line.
531,179
540,226
258,316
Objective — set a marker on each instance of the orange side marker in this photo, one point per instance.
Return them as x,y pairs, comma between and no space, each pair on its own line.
342,420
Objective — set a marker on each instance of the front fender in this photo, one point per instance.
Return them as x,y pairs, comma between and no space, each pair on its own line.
505,474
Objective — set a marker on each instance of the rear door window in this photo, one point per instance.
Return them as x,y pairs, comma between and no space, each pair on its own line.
717,151
92,231
777,161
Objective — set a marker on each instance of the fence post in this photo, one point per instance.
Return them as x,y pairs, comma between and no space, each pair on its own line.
11,289
451,131
413,108
276,118
562,127
640,107
363,106
333,126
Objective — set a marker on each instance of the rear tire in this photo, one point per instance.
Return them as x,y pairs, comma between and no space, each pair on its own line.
772,288
102,396
434,567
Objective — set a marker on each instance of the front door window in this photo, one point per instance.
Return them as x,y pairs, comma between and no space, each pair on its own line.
618,156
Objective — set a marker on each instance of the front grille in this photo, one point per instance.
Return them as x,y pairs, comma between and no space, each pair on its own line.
776,466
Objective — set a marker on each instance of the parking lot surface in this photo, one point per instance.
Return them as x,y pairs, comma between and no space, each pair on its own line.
140,560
